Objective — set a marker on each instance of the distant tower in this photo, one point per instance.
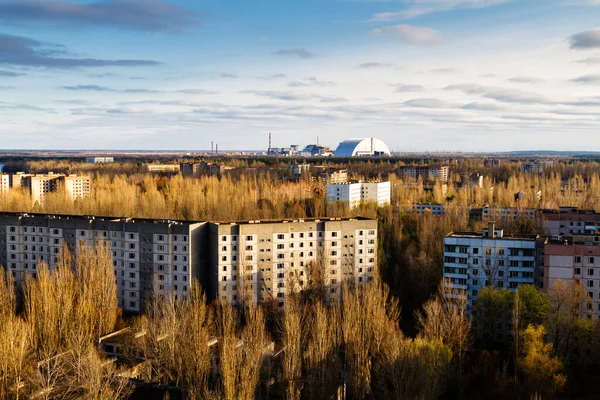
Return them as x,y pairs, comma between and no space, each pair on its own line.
212,146
269,152
372,146
217,148
317,141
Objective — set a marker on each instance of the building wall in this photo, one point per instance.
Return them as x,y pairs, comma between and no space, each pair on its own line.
435,209
264,262
575,263
376,192
349,193
472,262
149,257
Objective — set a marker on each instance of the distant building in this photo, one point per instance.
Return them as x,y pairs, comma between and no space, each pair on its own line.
4,183
99,160
473,261
472,179
536,167
492,162
77,187
569,221
40,185
356,193
163,167
371,147
506,213
314,150
299,169
335,176
435,209
190,170
428,173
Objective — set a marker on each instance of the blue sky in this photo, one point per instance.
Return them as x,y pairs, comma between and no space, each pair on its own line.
422,75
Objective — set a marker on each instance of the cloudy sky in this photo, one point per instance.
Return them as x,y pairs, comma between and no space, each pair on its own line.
422,75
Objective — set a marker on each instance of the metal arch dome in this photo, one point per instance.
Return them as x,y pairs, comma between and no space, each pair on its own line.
357,147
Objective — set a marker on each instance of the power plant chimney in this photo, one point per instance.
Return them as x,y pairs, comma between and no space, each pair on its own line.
269,152
372,146
217,148
212,146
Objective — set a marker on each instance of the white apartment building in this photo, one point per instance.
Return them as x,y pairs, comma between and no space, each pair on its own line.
149,256
536,167
40,185
77,186
263,261
299,169
163,167
473,261
354,194
99,160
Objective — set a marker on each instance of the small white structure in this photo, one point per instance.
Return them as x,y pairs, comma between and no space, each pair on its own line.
362,148
99,160
355,193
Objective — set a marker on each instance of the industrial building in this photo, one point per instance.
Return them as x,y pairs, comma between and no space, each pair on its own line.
355,193
367,147
473,261
263,261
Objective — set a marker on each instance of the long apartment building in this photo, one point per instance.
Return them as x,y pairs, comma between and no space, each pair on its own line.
473,261
428,173
40,185
569,221
356,193
263,261
256,260
149,256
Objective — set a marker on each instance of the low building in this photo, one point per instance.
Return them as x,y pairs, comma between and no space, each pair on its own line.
99,160
264,261
569,221
356,193
428,173
434,209
473,261
506,213
163,167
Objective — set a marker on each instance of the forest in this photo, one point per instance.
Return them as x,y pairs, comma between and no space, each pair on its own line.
400,337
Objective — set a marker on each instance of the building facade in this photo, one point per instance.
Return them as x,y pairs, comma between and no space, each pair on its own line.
263,261
569,221
162,167
356,193
435,209
4,183
99,160
473,261
149,256
428,173
575,263
506,213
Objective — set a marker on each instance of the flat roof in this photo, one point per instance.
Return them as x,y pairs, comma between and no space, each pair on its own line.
476,235
98,218
290,220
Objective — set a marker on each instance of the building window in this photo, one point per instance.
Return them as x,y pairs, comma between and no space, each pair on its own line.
590,271
591,260
475,251
590,283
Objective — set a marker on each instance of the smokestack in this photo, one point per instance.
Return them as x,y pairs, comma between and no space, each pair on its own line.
491,230
269,152
217,148
372,147
212,146
318,141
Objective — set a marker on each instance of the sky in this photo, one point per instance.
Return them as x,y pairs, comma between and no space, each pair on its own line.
421,75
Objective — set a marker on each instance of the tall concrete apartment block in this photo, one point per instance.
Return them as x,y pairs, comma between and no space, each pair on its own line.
149,256
39,186
573,262
4,183
263,261
473,261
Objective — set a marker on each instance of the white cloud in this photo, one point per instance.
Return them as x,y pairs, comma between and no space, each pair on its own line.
423,7
589,39
410,34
